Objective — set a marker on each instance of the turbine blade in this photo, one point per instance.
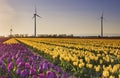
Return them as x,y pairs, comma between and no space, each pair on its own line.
35,9
38,16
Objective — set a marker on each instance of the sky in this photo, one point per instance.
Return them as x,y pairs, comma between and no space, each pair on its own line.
78,17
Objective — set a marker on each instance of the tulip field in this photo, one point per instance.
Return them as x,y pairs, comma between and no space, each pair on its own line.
17,61
59,58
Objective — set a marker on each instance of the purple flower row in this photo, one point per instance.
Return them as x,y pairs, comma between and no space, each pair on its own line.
2,39
17,61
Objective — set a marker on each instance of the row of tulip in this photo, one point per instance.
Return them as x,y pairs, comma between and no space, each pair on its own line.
11,41
2,39
17,61
83,63
106,43
95,45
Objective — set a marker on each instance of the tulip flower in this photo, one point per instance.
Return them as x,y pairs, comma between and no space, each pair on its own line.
45,66
59,69
18,71
34,76
27,65
32,71
24,73
42,75
1,61
10,66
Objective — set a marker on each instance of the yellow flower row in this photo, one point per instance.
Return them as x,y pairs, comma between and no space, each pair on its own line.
11,41
96,45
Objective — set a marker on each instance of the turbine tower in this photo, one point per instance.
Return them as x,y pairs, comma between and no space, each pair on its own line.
35,16
11,30
102,25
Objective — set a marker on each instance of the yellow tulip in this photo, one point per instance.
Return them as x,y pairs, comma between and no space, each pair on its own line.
112,76
105,73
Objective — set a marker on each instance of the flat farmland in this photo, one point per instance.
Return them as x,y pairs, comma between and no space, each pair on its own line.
59,58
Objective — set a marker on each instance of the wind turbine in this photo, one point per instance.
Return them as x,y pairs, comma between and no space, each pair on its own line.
11,30
35,16
102,18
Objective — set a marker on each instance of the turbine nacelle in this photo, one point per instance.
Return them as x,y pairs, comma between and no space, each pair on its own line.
36,15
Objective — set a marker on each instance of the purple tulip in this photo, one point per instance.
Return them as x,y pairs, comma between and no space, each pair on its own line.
42,75
4,66
51,74
31,60
1,61
59,76
18,71
35,66
59,69
38,58
34,76
45,66
27,65
32,71
10,66
20,64
9,60
24,73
